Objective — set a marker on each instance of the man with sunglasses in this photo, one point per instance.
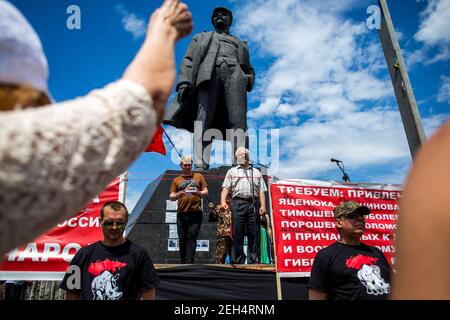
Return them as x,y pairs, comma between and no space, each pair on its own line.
349,269
114,268
188,189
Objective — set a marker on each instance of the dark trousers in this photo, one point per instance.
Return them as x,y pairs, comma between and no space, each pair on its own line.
14,291
245,221
188,226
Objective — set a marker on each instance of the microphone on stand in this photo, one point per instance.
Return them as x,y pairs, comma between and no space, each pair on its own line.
345,176
251,163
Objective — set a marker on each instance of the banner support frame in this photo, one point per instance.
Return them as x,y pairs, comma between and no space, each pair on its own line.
277,277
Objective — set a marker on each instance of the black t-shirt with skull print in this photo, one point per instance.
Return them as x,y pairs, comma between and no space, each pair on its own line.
348,272
111,273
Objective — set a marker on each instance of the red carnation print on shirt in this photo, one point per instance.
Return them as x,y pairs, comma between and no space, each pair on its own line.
359,260
369,274
104,286
98,267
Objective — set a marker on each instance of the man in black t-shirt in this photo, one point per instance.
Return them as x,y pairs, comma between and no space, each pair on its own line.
349,269
114,268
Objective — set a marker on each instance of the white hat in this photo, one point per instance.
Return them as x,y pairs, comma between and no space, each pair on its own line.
22,59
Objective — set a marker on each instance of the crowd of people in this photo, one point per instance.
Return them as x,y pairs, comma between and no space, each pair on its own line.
124,114
110,127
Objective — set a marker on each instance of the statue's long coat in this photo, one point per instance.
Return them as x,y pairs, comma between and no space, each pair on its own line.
197,67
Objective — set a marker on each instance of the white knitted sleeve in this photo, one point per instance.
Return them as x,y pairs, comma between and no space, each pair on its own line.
55,159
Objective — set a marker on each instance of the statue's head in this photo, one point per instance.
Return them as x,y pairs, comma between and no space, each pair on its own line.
222,18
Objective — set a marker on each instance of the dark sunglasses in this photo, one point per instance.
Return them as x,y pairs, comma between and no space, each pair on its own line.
110,223
354,215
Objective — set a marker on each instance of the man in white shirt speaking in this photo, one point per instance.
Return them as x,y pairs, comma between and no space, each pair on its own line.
248,203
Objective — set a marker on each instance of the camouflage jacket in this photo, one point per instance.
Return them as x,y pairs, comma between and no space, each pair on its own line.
223,218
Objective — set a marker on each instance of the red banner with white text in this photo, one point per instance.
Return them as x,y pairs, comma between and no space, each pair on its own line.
48,257
303,219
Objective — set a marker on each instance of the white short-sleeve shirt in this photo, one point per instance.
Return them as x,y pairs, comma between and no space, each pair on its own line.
238,181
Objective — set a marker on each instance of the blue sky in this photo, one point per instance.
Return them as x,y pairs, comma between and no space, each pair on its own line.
321,77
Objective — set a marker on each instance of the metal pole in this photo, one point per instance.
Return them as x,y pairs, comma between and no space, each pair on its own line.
400,81
123,187
170,140
277,277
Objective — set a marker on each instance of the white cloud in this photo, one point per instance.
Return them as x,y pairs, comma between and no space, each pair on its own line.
442,55
435,24
415,57
431,124
325,72
434,31
444,91
328,87
423,56
132,198
397,175
319,67
358,138
363,86
132,23
183,141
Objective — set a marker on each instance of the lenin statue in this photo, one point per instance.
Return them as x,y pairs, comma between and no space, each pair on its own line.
214,78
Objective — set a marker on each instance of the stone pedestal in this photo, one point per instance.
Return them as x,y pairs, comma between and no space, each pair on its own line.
152,223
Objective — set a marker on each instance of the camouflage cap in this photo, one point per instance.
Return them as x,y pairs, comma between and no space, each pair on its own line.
345,208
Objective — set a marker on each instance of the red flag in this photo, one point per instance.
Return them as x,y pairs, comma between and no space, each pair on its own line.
157,144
